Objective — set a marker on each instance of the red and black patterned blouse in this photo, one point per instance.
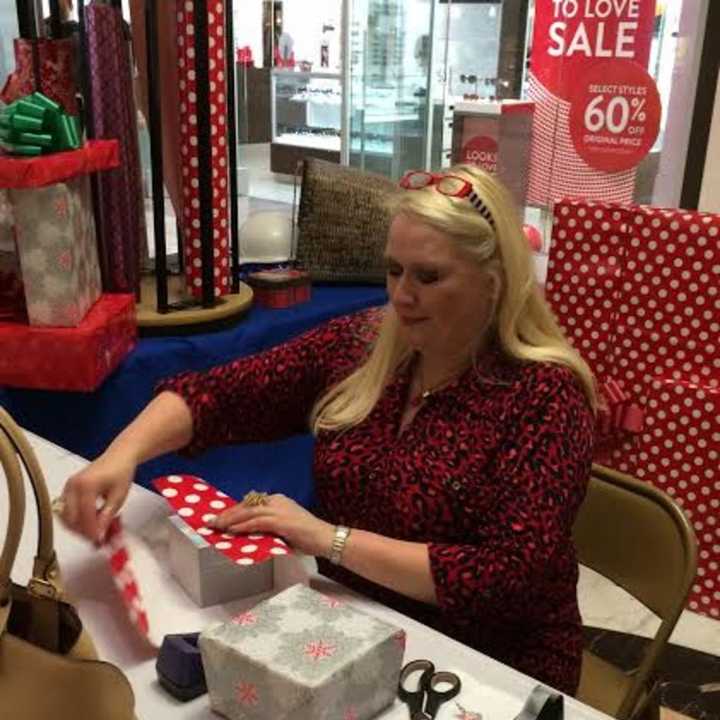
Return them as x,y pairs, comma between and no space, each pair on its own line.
490,474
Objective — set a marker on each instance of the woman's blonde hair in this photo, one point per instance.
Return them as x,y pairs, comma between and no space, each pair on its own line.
521,319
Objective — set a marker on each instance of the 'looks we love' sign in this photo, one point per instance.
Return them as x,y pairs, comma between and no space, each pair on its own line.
597,109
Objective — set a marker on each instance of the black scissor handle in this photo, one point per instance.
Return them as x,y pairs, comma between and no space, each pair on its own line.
435,698
429,680
414,699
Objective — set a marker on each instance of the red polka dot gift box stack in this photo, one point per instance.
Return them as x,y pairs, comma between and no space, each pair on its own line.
190,146
637,290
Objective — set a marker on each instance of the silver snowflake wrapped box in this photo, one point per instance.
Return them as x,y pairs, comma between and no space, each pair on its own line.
54,227
302,655
55,234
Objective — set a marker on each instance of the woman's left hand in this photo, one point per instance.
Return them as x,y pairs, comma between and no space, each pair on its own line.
280,516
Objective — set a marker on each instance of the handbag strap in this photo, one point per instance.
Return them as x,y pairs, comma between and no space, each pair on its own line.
16,517
45,581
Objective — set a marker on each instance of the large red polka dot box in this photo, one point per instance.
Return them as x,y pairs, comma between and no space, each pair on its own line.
190,147
637,291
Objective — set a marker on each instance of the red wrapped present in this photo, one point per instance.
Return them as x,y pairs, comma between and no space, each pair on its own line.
21,172
636,290
57,64
69,358
280,288
589,242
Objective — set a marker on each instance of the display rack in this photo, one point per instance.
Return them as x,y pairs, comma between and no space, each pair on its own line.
306,117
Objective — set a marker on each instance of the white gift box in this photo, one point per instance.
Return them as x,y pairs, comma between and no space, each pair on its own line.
207,575
302,655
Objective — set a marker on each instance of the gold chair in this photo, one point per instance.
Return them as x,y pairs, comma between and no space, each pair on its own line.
637,537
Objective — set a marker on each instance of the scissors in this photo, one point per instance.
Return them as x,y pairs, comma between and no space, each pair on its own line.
424,700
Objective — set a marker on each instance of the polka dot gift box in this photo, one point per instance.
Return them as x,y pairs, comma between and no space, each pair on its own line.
637,291
190,146
211,566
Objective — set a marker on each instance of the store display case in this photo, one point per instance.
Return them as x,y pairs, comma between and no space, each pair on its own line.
386,132
306,117
253,104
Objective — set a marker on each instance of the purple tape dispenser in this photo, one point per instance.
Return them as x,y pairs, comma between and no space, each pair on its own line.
179,666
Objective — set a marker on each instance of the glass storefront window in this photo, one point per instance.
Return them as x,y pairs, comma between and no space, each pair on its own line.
413,60
391,56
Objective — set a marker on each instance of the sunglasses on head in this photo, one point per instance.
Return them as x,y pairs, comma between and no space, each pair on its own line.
450,185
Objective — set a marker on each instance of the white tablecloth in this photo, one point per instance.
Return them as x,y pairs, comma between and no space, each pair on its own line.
496,691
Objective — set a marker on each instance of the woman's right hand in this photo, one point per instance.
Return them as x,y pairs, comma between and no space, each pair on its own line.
93,496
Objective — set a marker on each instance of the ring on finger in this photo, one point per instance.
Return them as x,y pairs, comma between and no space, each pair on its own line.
58,505
254,498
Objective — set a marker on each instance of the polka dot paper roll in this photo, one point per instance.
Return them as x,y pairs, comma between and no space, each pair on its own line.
637,291
197,503
190,147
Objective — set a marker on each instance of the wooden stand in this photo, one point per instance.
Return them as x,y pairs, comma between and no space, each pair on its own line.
186,315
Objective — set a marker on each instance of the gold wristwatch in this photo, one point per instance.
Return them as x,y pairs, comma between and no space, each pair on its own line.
338,544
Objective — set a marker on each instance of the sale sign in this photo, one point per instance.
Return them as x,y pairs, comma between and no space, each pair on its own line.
586,140
569,35
614,115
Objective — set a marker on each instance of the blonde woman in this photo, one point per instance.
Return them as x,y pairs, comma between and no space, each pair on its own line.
453,428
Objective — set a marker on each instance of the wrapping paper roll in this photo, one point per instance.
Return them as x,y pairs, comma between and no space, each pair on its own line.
191,148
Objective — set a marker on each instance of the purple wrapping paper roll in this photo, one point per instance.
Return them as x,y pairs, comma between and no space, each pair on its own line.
121,229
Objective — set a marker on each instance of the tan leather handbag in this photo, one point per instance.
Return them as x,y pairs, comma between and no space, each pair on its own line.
48,665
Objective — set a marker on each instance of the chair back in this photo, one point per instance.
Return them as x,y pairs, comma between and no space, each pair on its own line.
637,537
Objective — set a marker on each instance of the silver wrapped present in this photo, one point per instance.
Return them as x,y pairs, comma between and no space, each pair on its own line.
302,655
207,575
55,232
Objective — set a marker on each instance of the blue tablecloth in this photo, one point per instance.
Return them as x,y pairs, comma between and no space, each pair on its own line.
86,422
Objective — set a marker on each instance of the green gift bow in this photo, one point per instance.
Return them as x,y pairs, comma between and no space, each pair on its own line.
35,125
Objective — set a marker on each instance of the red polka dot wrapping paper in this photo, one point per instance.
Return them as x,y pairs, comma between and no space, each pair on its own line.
197,502
115,549
190,148
656,334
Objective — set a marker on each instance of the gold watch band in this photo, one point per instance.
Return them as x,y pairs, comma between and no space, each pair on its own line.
338,544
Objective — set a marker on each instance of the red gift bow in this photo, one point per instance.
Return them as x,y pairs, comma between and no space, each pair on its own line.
620,415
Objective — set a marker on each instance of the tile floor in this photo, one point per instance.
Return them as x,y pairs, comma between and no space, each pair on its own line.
264,184
604,605
689,669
